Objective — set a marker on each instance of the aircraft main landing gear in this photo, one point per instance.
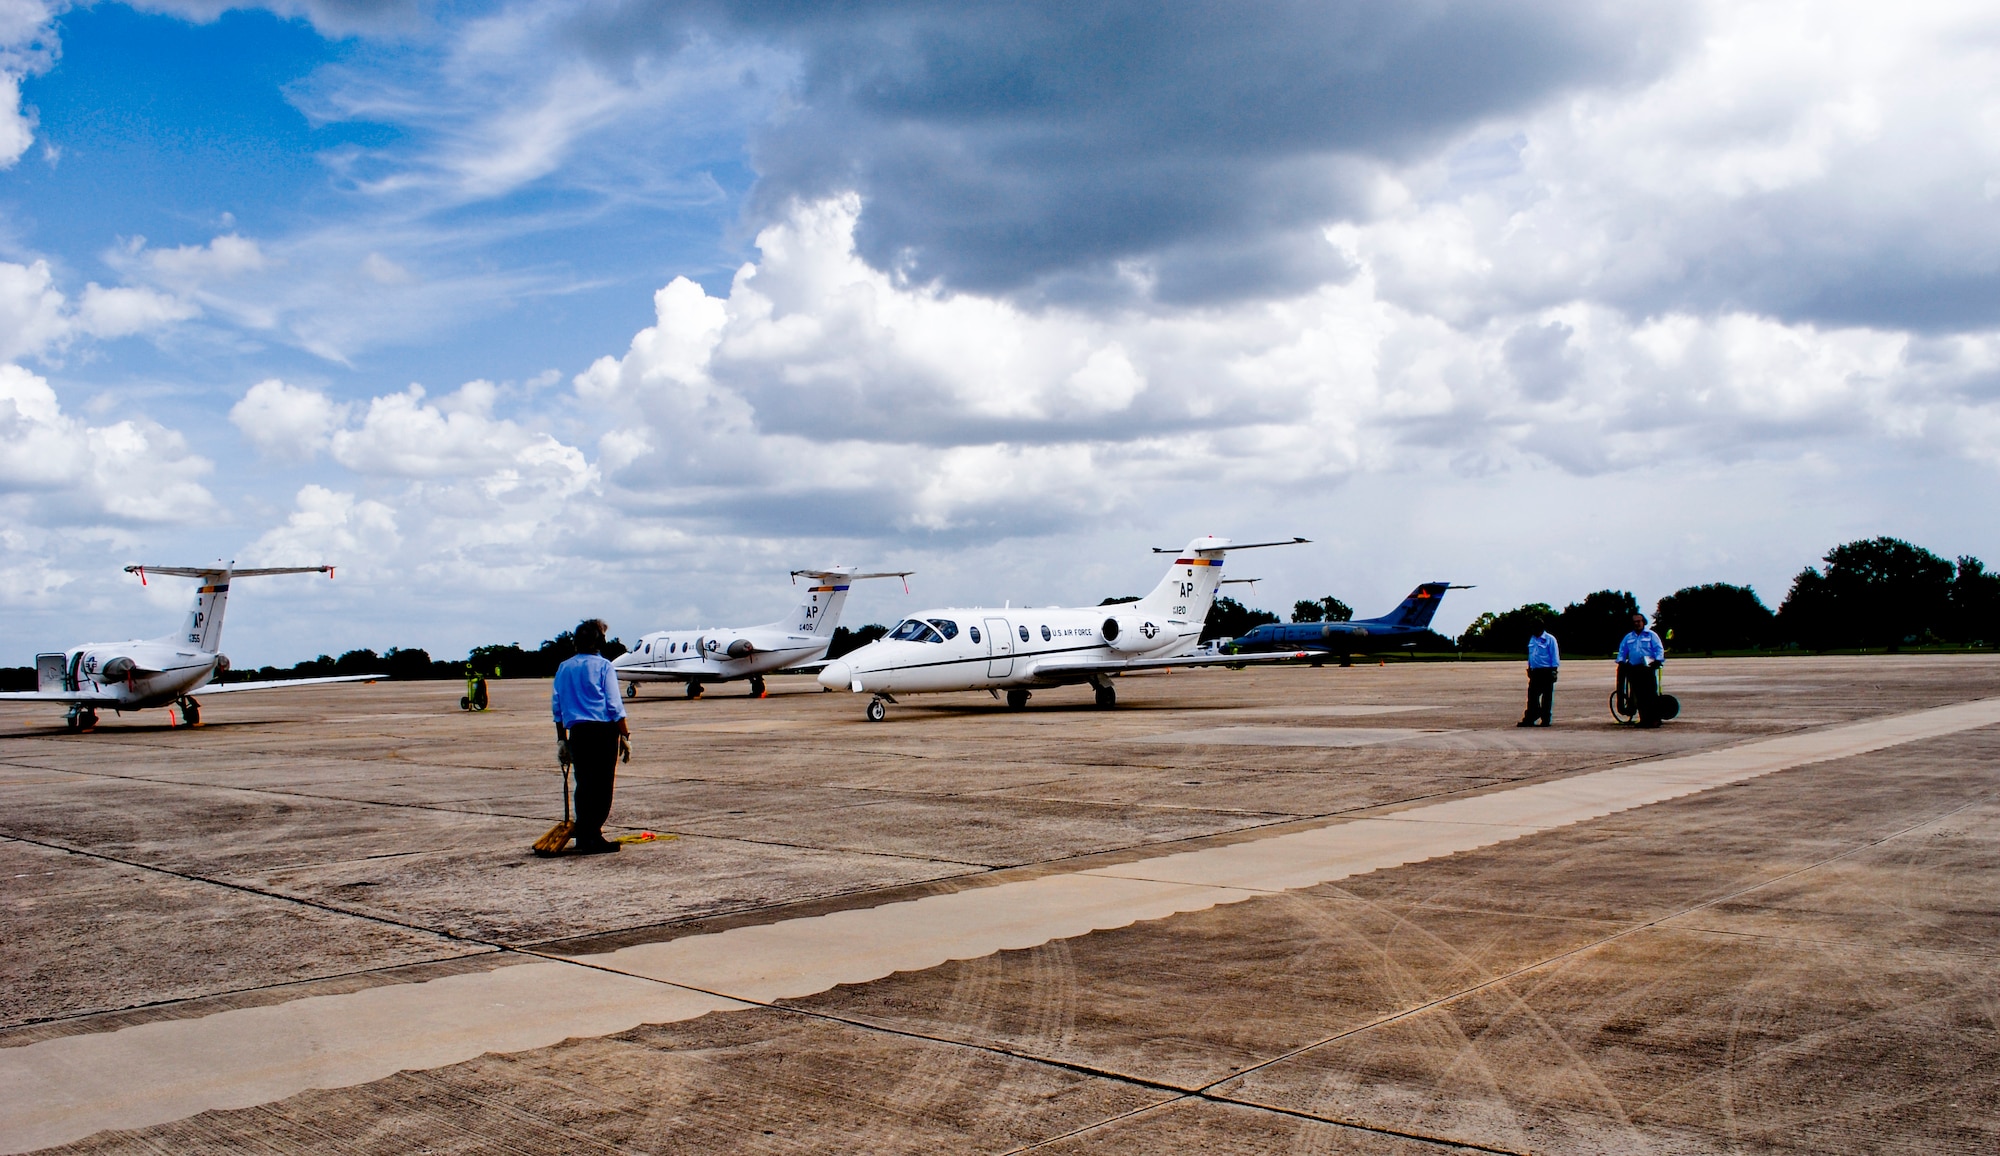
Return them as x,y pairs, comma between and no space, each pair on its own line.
756,686
694,690
1017,698
81,718
190,712
1107,696
876,710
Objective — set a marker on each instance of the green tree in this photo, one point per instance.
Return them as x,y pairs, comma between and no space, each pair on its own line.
1975,604
1596,624
1229,618
1713,617
847,641
1327,609
1874,592
1507,632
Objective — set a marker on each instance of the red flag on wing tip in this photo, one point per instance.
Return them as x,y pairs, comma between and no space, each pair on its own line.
142,575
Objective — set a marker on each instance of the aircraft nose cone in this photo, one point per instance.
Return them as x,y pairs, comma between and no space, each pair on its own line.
836,676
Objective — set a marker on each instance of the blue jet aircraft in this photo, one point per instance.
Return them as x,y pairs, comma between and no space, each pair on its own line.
1398,628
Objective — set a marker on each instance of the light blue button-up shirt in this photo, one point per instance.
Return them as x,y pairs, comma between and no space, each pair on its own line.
586,691
1543,654
1641,646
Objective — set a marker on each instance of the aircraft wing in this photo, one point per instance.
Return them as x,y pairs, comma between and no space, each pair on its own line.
278,683
59,696
1081,668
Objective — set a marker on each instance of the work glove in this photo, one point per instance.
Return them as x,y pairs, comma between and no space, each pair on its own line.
562,751
625,748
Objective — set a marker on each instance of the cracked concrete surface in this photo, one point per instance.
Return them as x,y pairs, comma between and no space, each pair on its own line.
1800,961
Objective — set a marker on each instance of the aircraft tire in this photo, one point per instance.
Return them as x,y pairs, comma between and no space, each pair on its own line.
876,710
86,720
464,703
757,688
1017,698
631,690
694,690
1107,697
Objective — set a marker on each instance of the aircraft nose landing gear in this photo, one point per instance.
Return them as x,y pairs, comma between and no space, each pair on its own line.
876,710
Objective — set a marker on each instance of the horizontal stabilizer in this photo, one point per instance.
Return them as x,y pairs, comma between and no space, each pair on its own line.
219,571
279,683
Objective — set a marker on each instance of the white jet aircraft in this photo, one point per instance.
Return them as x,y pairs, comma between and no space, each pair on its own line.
699,657
1018,650
144,673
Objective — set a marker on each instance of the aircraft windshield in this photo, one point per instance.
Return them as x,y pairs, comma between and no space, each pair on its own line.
946,627
914,630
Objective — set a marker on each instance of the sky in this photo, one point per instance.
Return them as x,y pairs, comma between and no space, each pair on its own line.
520,312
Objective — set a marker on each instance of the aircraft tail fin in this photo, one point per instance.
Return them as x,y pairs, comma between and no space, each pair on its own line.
1187,592
825,597
1419,608
203,626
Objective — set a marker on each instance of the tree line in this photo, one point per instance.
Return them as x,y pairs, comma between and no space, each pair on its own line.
1876,593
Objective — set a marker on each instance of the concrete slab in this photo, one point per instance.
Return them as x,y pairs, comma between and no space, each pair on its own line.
1229,983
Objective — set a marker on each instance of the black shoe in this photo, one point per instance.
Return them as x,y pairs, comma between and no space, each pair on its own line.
595,847
1524,723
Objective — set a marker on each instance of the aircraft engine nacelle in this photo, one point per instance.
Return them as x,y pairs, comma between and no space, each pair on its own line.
1129,633
117,670
729,648
221,665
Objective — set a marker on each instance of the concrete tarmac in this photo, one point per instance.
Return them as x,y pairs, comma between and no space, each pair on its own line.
1315,910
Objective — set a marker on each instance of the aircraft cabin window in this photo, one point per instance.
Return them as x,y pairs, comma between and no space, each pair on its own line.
946,627
1024,634
974,632
1045,634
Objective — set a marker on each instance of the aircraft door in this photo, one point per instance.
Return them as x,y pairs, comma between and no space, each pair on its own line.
49,673
999,648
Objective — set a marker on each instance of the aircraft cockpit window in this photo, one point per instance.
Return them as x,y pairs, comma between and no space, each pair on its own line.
914,630
946,627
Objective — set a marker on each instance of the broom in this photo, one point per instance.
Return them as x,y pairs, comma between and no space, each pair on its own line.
558,836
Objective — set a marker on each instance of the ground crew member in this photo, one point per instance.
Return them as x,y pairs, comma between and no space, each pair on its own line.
591,733
1543,659
1639,658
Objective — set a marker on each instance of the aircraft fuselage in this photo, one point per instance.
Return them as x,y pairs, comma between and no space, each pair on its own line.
136,674
715,655
989,648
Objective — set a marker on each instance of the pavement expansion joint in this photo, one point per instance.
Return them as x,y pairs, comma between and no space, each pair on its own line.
62,1089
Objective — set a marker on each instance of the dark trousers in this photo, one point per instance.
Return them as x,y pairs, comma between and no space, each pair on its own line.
593,756
1541,694
1642,682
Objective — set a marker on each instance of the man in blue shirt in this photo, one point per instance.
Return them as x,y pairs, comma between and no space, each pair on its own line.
590,732
1640,656
1544,657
